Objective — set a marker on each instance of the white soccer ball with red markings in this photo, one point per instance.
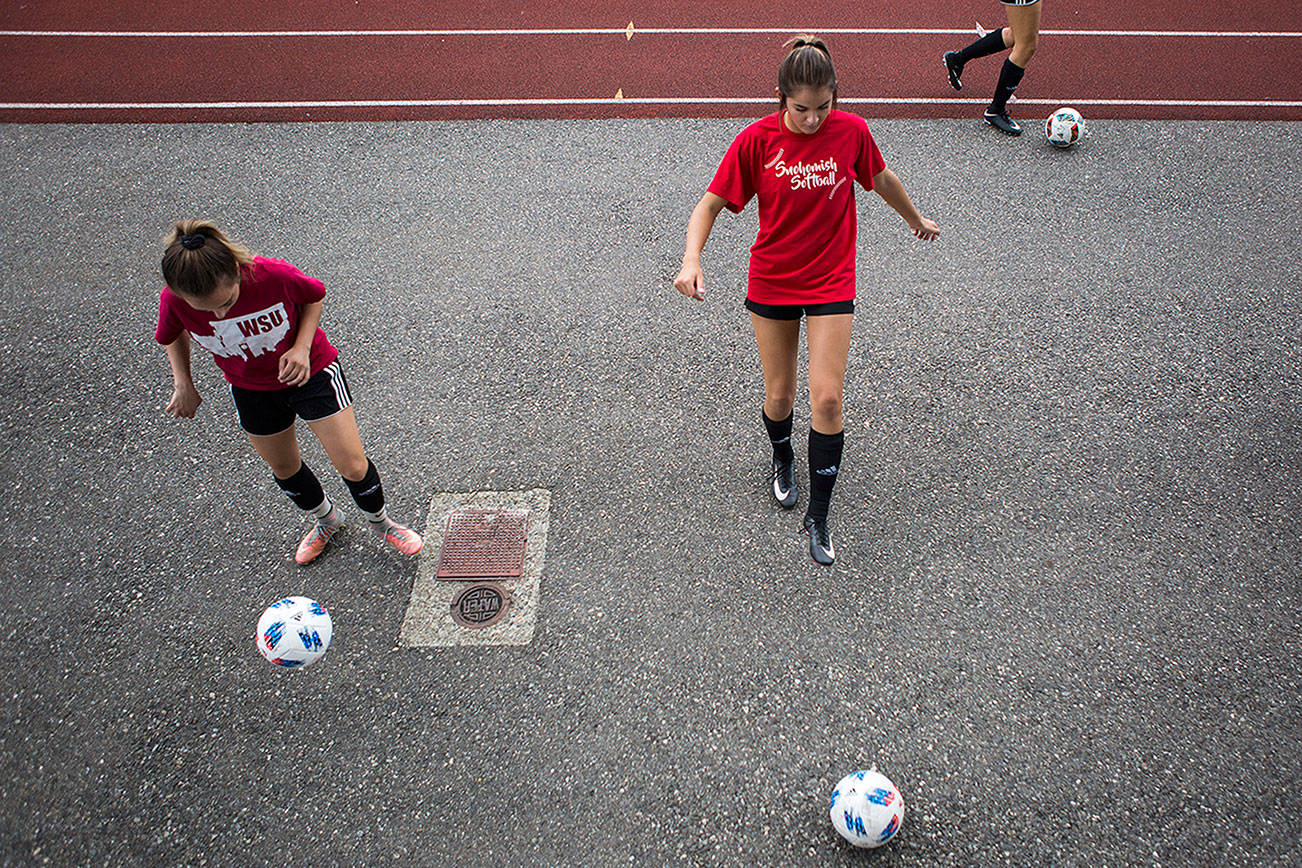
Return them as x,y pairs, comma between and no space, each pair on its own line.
1064,127
867,809
294,632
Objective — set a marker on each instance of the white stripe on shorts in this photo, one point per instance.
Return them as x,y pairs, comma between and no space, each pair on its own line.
230,388
337,383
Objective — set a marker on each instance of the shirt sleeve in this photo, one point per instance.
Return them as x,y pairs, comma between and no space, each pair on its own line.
299,287
169,327
870,162
733,181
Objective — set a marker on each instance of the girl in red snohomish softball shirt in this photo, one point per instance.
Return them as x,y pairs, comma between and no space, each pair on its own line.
802,164
259,318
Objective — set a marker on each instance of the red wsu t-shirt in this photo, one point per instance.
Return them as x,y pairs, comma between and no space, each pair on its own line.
248,342
804,252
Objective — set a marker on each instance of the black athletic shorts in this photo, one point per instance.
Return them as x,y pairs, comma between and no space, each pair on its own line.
796,311
264,413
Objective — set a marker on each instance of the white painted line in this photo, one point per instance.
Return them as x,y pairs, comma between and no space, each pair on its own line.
623,31
576,101
227,34
963,31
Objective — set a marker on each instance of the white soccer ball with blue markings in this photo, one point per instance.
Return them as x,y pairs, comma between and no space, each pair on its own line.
1064,127
867,810
294,632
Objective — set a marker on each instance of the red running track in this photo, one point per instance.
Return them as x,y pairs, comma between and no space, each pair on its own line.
49,74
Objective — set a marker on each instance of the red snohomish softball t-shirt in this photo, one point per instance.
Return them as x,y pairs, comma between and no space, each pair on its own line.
248,342
804,252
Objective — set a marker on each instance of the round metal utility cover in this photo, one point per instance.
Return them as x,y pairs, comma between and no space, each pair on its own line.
480,605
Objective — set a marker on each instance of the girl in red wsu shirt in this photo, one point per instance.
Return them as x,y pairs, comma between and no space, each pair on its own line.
258,317
801,163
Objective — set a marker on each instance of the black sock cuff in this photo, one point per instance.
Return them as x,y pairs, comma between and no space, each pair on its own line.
991,43
829,439
780,435
303,488
825,449
1009,77
367,491
367,482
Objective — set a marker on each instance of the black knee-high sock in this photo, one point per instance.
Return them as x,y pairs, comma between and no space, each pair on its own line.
824,463
1009,77
303,488
780,437
367,492
991,43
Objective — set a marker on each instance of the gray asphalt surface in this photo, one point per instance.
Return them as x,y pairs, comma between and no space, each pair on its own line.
1065,615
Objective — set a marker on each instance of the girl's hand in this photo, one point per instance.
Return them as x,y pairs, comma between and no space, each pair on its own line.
927,229
295,367
691,281
185,400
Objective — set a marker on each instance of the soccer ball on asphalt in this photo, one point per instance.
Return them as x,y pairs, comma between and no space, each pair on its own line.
294,631
867,809
1064,127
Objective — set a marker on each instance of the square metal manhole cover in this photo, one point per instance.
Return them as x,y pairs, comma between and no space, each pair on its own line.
484,543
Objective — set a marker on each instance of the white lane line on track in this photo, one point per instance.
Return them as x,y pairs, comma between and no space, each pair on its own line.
623,31
472,103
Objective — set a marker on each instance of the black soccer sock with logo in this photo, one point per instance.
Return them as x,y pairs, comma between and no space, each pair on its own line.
368,493
824,463
303,488
780,437
991,43
1009,77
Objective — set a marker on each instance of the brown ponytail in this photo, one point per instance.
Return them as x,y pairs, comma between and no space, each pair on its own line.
808,64
199,258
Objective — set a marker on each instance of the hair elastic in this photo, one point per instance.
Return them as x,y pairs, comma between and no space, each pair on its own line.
193,242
